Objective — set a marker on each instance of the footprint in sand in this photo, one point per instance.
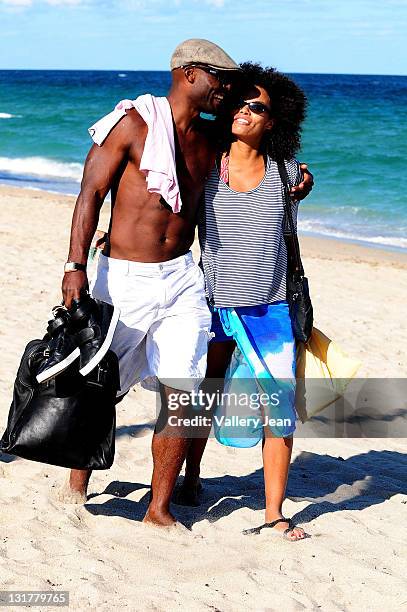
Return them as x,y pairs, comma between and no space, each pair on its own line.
77,518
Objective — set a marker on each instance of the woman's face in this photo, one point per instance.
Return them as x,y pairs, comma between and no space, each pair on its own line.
251,124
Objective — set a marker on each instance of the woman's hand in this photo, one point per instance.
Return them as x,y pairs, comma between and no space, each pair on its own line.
299,192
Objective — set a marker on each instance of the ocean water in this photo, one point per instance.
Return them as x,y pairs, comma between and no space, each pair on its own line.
354,141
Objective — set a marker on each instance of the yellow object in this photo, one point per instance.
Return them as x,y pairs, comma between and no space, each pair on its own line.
323,372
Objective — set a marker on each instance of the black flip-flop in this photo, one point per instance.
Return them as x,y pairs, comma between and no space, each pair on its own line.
291,526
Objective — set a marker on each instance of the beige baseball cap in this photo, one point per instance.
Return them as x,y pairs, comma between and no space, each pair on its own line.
201,51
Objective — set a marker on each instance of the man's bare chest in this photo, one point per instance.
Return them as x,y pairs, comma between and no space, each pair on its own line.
194,161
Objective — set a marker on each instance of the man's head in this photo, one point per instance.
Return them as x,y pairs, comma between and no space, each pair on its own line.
204,71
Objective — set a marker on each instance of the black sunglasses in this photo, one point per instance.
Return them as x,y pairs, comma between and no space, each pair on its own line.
223,76
254,107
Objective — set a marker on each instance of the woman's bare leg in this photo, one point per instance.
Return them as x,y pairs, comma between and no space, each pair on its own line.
276,462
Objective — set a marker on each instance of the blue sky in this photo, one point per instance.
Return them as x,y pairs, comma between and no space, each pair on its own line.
342,36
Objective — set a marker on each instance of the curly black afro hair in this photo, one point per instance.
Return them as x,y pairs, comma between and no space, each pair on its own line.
288,106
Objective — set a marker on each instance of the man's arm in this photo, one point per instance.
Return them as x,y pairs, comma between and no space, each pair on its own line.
300,191
101,166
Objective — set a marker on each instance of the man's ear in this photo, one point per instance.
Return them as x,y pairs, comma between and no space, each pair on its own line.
190,74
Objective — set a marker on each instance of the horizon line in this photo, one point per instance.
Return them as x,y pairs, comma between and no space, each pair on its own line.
169,71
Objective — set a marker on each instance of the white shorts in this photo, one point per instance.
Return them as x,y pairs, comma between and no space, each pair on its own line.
164,325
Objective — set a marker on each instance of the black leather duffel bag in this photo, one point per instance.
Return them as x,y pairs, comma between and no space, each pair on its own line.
67,421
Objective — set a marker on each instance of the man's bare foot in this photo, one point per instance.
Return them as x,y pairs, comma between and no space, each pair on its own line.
74,491
187,493
159,518
66,495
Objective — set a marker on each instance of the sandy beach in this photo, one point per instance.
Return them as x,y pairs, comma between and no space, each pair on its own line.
349,494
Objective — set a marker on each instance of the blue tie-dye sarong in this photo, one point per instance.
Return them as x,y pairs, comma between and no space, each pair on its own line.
263,368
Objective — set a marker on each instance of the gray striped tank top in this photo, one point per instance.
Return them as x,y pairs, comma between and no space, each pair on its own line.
243,252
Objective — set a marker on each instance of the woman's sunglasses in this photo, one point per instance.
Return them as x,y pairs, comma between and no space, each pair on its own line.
254,107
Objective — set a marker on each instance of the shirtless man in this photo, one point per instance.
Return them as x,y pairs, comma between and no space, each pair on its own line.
149,250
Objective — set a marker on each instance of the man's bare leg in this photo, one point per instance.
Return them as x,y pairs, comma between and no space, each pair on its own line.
188,493
74,491
169,448
219,355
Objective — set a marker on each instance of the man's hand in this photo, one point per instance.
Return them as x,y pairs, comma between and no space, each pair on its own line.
299,192
74,285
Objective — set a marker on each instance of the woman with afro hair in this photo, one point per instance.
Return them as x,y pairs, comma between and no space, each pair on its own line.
244,258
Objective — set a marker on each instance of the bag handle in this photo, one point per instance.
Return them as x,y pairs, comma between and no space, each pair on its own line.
292,245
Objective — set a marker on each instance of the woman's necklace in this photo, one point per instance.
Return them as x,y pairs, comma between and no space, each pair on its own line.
224,167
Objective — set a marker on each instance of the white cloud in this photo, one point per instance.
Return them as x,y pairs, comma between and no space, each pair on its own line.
63,2
154,11
167,4
16,2
130,4
25,3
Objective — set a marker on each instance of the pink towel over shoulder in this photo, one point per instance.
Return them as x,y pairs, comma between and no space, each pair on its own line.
158,159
